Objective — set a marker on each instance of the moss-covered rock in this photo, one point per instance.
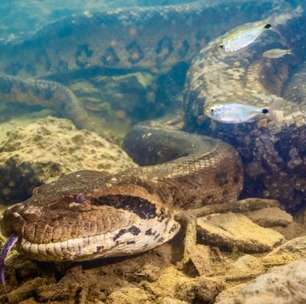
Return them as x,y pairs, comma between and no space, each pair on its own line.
43,150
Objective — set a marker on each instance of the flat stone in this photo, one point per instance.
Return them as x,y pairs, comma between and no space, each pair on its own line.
232,230
269,217
290,251
244,268
165,286
282,285
201,259
129,295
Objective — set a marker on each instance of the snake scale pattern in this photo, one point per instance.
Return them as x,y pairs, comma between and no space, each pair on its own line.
272,148
88,214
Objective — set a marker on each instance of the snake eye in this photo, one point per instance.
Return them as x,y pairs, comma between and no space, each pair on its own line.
80,198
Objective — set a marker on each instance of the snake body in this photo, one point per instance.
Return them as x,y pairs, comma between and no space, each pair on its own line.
272,149
151,39
88,214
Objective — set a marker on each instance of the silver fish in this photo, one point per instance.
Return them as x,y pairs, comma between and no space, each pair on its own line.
276,53
243,36
234,113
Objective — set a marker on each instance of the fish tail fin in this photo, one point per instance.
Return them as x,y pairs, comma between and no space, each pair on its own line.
290,52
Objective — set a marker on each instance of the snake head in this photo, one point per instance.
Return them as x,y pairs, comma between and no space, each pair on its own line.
84,216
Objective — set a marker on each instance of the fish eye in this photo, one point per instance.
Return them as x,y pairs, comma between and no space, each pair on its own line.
265,111
221,46
212,110
267,26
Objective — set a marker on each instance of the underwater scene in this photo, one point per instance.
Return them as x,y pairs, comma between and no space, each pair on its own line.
153,151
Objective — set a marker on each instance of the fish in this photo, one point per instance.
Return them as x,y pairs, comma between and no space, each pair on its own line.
276,53
243,37
235,113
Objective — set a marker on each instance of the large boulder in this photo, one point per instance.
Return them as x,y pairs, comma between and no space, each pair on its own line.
282,285
43,150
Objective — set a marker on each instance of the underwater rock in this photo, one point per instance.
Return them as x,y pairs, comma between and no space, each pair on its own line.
173,283
244,268
269,217
24,291
232,230
129,295
169,300
48,148
283,285
201,289
290,251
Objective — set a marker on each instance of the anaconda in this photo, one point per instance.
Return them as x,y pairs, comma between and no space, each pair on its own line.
152,39
89,214
272,149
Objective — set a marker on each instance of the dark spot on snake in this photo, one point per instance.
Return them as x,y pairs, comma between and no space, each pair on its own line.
160,240
163,215
167,221
13,68
136,54
149,232
130,242
183,50
5,86
134,230
119,234
163,49
110,57
173,228
221,179
100,248
156,236
209,199
83,52
143,208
